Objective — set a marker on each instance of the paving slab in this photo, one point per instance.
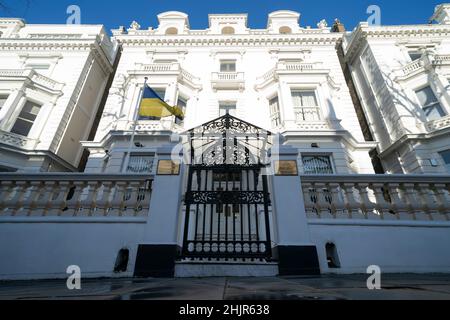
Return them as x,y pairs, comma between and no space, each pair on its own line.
329,287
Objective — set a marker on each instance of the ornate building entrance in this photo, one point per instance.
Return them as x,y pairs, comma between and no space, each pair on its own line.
227,199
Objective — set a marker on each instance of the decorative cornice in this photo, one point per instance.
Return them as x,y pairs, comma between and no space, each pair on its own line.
364,32
226,40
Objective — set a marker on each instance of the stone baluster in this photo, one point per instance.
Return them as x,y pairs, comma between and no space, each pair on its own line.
428,203
365,204
35,192
397,205
120,194
7,188
74,203
105,202
47,197
380,204
133,204
413,202
19,198
309,204
322,204
60,202
349,199
335,198
443,201
90,203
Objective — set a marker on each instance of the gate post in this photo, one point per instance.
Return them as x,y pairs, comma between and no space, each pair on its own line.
296,253
157,254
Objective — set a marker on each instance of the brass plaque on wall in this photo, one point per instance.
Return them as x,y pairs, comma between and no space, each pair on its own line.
286,168
168,168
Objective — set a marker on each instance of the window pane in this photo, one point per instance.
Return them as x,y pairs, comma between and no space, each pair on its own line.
3,100
446,156
415,55
228,66
140,164
304,98
227,108
434,112
22,127
426,96
317,165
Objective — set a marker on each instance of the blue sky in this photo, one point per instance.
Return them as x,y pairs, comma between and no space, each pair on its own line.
113,13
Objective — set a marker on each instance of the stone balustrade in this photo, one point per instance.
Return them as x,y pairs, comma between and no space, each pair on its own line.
18,141
33,76
74,195
377,197
438,124
228,80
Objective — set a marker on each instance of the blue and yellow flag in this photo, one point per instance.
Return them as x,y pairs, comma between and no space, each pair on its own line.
153,106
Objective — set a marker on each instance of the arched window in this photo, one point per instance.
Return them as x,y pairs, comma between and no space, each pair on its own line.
228,30
285,30
172,31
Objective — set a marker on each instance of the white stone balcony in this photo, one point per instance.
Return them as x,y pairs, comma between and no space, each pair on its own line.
17,141
32,76
168,69
377,197
438,124
420,65
228,80
74,195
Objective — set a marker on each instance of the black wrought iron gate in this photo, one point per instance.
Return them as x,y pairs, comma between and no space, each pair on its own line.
227,199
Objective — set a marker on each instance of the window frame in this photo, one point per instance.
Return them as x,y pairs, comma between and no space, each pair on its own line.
438,102
227,104
18,117
277,114
317,109
228,62
328,155
446,165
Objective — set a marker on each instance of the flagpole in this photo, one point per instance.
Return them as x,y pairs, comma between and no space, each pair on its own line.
133,134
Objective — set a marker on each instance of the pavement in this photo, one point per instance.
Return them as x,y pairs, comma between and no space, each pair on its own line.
332,287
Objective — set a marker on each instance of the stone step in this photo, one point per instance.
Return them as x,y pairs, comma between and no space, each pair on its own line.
200,269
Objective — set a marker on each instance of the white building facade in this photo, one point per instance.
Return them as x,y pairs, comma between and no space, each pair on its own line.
271,172
402,77
52,80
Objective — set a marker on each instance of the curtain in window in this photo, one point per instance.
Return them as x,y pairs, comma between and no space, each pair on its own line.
275,112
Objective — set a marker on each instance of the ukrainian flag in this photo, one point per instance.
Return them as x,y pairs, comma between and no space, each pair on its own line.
153,106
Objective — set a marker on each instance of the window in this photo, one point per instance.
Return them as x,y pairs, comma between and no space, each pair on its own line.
446,157
285,30
275,112
227,108
140,164
228,66
306,106
172,31
228,30
26,118
317,165
162,94
415,55
3,101
430,104
182,103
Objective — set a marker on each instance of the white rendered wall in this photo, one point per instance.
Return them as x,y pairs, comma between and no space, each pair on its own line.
396,248
44,250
